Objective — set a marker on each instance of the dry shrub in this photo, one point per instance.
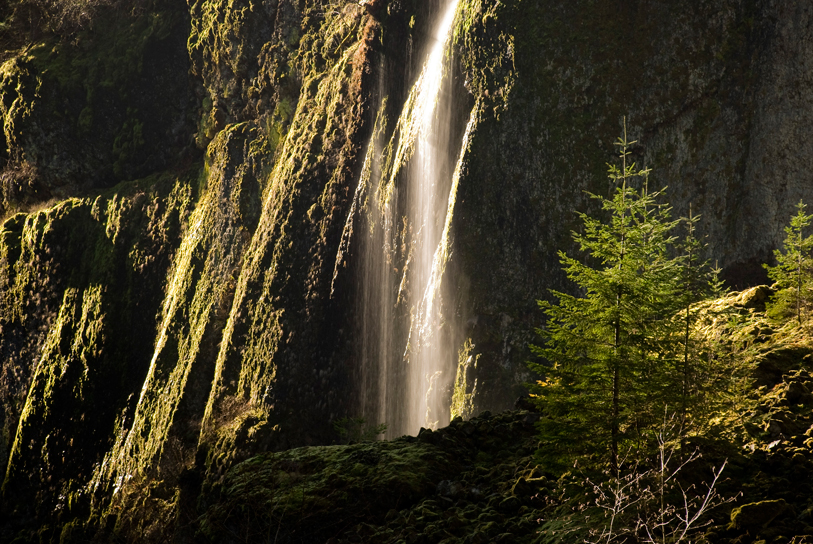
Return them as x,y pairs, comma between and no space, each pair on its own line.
18,183
175,457
69,15
230,411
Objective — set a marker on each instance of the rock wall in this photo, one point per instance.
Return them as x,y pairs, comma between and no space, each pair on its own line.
717,95
154,332
85,109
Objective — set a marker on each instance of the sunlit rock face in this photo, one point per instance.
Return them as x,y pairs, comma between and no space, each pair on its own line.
314,234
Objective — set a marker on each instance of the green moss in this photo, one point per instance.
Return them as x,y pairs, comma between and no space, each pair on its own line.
19,88
112,57
321,483
128,142
463,394
320,122
86,267
448,484
489,49
198,293
108,88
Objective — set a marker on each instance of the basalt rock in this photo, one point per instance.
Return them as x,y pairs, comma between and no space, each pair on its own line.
156,333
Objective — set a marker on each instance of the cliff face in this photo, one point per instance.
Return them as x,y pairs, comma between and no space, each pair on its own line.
83,110
717,95
154,332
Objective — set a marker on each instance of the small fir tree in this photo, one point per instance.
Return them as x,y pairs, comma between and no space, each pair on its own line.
601,347
620,351
794,269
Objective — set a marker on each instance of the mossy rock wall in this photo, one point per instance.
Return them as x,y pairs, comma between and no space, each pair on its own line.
86,270
85,110
159,331
238,351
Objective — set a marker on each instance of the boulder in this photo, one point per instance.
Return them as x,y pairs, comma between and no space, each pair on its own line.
757,515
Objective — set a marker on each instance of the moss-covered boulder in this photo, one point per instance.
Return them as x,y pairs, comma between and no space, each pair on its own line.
757,515
449,484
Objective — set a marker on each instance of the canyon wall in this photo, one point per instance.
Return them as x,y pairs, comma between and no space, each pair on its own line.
180,252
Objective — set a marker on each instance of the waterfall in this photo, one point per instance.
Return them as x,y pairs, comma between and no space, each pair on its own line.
430,175
406,342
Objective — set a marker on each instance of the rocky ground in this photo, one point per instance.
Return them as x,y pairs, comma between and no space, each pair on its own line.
462,483
477,482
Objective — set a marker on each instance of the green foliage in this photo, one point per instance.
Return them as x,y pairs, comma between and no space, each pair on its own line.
127,143
620,350
793,272
696,370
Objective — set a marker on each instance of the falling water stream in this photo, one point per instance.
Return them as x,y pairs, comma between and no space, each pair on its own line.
430,173
407,345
